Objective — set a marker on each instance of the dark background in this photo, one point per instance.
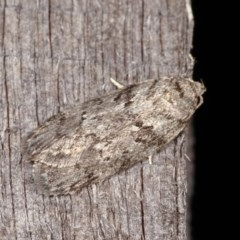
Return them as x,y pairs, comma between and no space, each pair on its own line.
212,215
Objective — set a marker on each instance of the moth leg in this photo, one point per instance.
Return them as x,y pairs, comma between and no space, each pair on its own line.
117,84
150,159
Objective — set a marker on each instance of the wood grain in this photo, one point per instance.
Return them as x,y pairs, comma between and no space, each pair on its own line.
54,53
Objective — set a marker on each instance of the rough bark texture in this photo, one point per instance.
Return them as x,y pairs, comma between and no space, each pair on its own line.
54,53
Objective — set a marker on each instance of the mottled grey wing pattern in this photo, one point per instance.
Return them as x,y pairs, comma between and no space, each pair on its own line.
91,142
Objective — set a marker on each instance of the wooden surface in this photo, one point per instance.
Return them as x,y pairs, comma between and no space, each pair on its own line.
55,53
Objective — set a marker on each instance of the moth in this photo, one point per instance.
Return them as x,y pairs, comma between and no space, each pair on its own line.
92,141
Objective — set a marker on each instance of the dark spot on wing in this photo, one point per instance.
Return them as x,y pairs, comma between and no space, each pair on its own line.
94,137
118,96
139,123
141,140
106,159
126,104
83,115
153,84
78,166
97,101
125,163
147,128
179,89
144,133
126,94
62,119
160,143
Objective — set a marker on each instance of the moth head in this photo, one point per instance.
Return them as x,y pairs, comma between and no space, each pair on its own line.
199,90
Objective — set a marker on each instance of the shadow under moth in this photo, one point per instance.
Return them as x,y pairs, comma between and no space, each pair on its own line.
95,140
